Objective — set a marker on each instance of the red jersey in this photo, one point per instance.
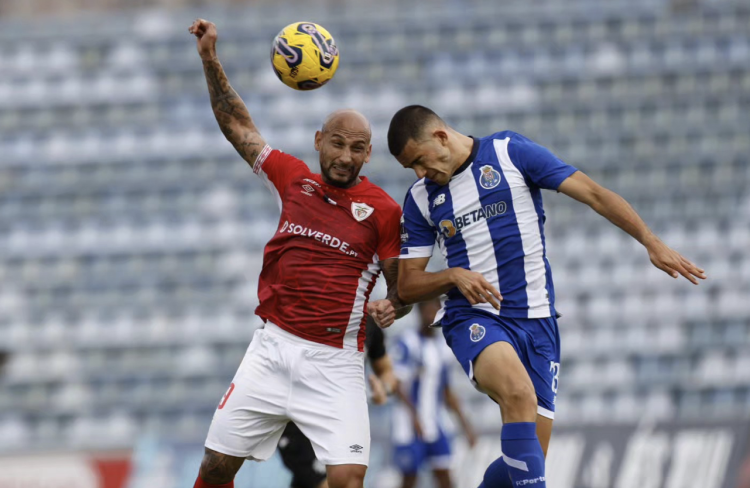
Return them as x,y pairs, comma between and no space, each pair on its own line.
321,265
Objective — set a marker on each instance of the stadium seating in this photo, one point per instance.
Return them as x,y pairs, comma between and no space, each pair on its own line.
132,234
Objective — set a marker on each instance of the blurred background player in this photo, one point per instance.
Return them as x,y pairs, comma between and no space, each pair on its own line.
296,451
336,232
420,434
480,200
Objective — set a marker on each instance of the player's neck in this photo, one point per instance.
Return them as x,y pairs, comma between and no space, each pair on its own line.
334,184
462,150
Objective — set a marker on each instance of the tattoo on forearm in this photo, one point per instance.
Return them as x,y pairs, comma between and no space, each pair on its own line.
223,97
248,150
226,103
390,272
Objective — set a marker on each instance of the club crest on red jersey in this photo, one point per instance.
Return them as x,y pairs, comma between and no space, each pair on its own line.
361,211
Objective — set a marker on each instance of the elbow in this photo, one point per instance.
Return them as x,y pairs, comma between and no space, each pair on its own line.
599,197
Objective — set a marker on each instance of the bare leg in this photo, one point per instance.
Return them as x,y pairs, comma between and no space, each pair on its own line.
443,478
218,468
346,475
543,432
501,374
409,481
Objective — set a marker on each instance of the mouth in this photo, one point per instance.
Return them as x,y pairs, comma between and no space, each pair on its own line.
340,171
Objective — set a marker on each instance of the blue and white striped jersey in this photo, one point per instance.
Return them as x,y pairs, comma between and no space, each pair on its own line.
489,218
421,365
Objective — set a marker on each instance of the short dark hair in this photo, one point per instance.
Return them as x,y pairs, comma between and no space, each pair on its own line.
408,123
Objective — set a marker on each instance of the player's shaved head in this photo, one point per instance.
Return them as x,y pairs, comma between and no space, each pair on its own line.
349,120
344,146
410,123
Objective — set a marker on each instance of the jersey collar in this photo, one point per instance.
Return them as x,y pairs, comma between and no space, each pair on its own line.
470,159
363,184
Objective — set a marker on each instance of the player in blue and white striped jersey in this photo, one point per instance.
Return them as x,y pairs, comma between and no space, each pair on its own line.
480,200
421,429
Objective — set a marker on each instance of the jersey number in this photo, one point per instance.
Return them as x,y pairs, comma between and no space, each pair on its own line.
226,396
555,369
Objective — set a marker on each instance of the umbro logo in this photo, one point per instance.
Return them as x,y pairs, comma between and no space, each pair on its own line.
356,448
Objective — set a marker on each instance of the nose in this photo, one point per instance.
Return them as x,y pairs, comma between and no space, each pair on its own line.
346,156
421,173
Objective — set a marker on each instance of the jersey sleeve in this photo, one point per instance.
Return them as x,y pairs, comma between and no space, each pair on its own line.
389,243
417,234
277,170
537,163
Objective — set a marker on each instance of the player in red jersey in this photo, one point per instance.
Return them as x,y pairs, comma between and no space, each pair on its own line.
337,231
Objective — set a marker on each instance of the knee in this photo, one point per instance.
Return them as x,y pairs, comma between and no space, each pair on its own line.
349,476
218,468
518,403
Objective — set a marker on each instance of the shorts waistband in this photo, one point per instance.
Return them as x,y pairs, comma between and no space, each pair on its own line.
277,331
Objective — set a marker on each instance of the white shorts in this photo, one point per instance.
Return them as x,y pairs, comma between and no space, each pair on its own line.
284,377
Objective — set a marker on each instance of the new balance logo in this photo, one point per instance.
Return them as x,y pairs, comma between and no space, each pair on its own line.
356,448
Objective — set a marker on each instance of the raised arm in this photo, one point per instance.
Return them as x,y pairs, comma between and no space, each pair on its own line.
229,109
618,211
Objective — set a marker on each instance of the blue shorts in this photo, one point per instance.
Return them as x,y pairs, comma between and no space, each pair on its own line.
408,458
537,342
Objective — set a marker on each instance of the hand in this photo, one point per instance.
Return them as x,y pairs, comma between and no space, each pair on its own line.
475,288
672,262
379,395
206,33
383,312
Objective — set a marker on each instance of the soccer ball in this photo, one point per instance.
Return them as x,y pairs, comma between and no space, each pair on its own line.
304,56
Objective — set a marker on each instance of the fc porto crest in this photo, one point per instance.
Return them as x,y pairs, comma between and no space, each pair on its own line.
477,332
361,211
489,178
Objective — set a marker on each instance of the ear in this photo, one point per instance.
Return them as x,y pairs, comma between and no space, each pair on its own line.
441,135
318,140
369,154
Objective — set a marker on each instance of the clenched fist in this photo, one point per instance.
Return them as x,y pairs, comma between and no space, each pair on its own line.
206,34
383,312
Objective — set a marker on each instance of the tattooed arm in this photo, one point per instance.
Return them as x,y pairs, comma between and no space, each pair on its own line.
229,109
390,272
386,311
